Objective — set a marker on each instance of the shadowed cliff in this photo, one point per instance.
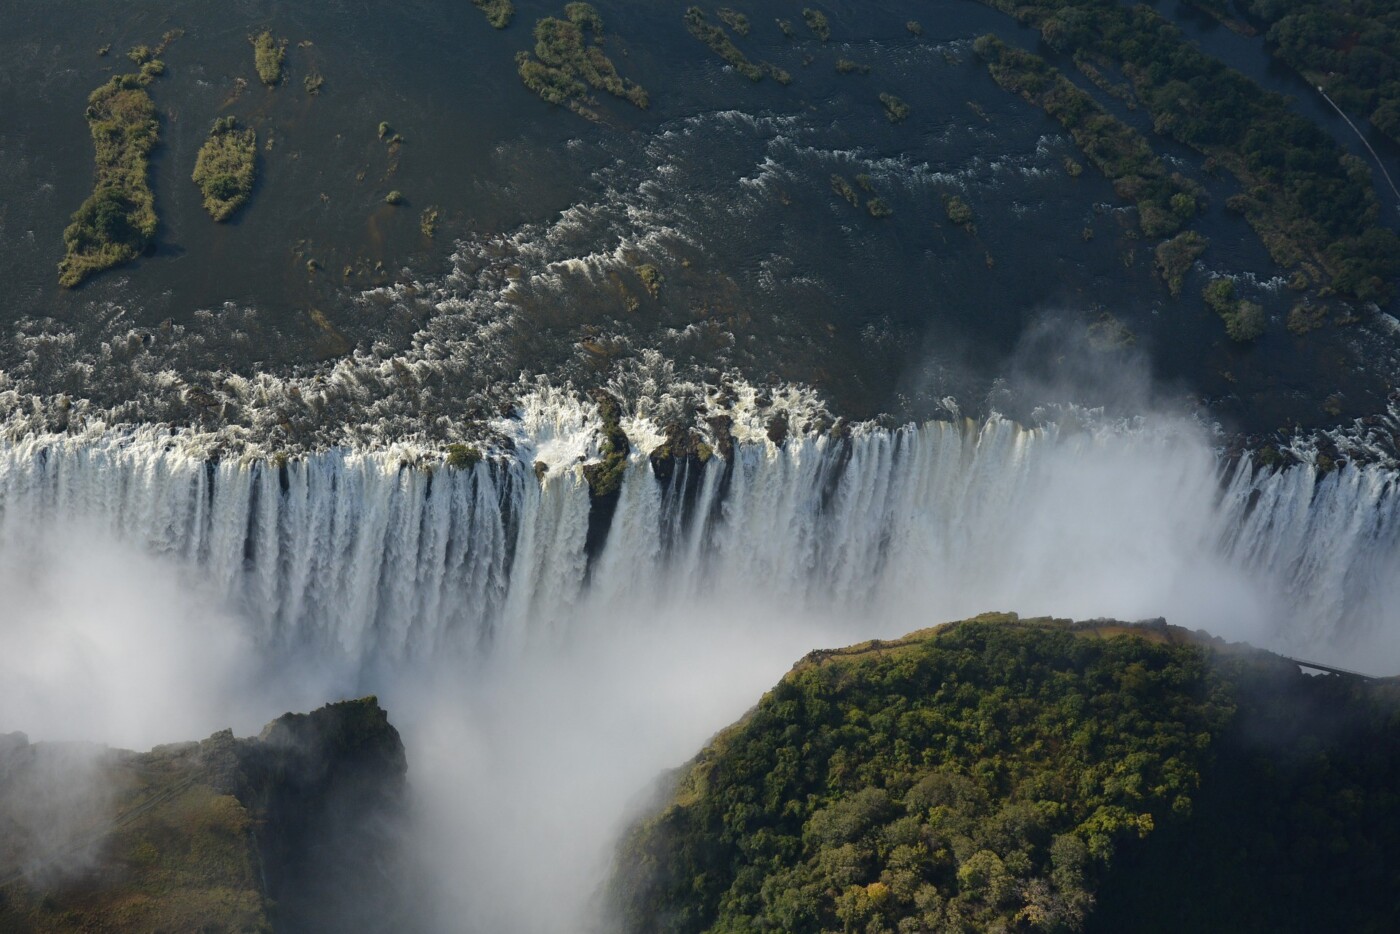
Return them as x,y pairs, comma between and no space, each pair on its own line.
296,830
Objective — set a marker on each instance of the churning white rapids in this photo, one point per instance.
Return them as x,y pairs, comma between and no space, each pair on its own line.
151,595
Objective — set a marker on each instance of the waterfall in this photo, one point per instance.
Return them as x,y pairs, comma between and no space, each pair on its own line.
386,555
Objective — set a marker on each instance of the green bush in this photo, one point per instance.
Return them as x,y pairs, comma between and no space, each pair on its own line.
1176,256
268,55
564,66
895,109
734,20
498,12
958,211
226,167
117,223
978,777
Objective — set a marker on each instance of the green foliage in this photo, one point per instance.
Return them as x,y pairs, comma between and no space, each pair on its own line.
1306,198
140,55
313,83
1349,47
268,55
977,777
1165,201
565,65
1176,256
226,168
896,111
1244,321
185,858
817,22
1107,334
394,197
734,20
498,12
117,223
844,189
844,66
1304,318
878,208
914,28
605,477
1296,826
719,42
651,278
958,211
428,221
462,456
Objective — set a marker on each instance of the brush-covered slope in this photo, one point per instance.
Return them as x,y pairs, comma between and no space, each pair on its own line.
1037,775
285,832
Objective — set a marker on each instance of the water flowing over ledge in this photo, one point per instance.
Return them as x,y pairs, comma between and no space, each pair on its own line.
372,555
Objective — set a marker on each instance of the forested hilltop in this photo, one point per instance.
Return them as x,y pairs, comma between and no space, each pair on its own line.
1037,775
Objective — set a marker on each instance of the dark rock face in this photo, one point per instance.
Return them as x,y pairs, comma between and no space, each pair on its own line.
296,830
327,790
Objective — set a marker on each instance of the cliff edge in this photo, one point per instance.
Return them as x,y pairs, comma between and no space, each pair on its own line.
294,830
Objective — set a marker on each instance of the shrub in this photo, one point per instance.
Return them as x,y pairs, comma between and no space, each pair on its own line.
462,456
564,66
428,221
734,20
225,168
817,22
895,109
1176,256
498,12
117,223
268,55
958,211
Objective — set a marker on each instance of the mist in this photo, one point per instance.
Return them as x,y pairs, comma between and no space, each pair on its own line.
538,709
525,770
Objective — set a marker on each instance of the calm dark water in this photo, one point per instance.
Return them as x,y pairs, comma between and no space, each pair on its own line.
724,185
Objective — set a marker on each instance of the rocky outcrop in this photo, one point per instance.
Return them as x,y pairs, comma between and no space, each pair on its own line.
295,830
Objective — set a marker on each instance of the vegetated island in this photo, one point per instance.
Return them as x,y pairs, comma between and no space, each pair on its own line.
564,65
288,831
1244,320
896,111
1311,203
1037,775
1165,200
268,55
1176,256
117,222
719,42
225,168
1351,49
498,12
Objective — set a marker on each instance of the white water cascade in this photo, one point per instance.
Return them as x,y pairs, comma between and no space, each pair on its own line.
373,557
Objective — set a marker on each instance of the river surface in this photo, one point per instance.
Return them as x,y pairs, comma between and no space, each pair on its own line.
722,184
